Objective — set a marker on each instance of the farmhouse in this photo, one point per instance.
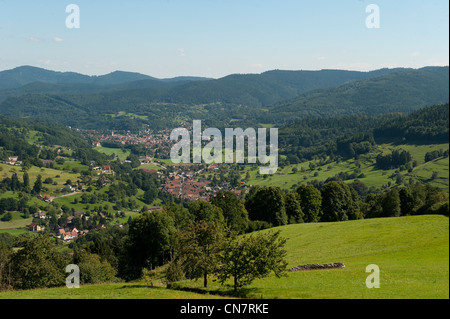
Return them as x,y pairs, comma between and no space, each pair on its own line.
35,227
40,214
13,160
69,235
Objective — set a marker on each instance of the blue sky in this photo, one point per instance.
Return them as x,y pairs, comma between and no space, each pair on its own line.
214,38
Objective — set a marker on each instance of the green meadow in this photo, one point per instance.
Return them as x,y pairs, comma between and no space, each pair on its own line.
412,254
291,175
16,226
105,291
121,155
59,177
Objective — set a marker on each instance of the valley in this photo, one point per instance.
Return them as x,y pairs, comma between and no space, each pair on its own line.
363,172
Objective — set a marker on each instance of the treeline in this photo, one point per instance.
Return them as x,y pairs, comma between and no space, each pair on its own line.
238,99
339,201
429,156
46,133
353,135
394,160
202,239
430,125
15,135
345,137
11,145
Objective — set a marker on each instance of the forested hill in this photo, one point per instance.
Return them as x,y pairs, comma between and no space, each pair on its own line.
24,75
403,91
430,125
350,135
246,89
238,100
262,89
16,132
31,80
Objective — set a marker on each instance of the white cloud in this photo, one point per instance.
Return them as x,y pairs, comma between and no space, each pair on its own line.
181,52
34,39
357,66
56,39
321,58
53,63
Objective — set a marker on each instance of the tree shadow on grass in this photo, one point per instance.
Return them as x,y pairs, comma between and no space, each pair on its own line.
142,286
243,293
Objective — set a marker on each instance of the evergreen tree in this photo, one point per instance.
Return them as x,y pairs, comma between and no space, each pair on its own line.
234,212
294,210
266,204
338,202
310,202
37,188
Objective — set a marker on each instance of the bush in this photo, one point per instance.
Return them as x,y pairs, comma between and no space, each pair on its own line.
255,225
175,271
7,217
93,270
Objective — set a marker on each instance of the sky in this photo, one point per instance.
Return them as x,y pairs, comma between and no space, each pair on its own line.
215,38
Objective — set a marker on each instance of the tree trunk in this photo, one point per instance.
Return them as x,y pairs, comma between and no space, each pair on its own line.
205,279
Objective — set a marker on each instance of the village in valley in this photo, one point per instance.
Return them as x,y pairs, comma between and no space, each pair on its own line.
185,181
181,182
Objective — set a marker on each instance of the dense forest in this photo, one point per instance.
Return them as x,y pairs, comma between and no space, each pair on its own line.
240,100
352,135
23,138
190,239
427,125
404,91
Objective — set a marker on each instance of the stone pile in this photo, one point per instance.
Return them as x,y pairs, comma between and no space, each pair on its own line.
318,266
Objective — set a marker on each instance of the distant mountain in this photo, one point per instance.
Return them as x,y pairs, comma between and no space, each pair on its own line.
24,75
258,89
31,80
402,91
274,97
244,89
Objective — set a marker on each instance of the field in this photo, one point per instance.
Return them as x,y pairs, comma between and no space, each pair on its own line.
286,178
411,252
105,291
121,155
16,225
58,176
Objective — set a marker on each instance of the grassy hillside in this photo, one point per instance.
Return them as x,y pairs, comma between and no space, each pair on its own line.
285,178
16,226
411,252
59,177
105,291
